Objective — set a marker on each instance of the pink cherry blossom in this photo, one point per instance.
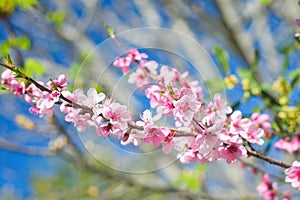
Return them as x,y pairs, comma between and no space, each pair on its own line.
46,103
149,67
188,156
139,78
92,99
289,146
219,105
293,175
60,83
116,119
148,120
123,63
253,135
132,55
161,99
136,55
232,152
166,76
32,93
169,143
156,136
266,189
81,120
154,93
12,83
184,109
262,121
238,124
134,137
207,147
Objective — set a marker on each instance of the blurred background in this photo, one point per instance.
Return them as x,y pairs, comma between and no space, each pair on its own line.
45,158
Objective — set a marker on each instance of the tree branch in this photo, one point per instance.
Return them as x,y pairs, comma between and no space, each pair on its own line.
267,159
34,151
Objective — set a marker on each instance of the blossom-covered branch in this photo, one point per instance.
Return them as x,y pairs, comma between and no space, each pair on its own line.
205,132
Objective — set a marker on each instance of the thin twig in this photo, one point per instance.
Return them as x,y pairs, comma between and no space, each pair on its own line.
267,159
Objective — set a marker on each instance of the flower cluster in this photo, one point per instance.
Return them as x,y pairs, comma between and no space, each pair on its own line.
293,175
267,189
217,134
290,146
12,84
204,132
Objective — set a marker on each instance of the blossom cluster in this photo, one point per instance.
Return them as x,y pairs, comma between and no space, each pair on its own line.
269,190
204,132
288,145
218,133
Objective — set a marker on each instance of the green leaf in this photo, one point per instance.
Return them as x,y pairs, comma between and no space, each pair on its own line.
254,64
22,43
294,77
53,86
5,48
172,92
222,57
8,59
33,68
109,31
57,17
265,2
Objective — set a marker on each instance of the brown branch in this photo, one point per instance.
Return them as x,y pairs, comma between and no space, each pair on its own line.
180,133
252,165
267,159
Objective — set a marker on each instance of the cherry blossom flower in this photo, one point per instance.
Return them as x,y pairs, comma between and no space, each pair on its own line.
293,175
32,93
184,109
132,55
262,121
60,83
92,99
123,63
232,152
134,137
12,83
188,156
253,135
148,120
139,78
117,118
266,189
219,105
136,55
45,104
156,136
238,124
289,146
207,147
166,76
